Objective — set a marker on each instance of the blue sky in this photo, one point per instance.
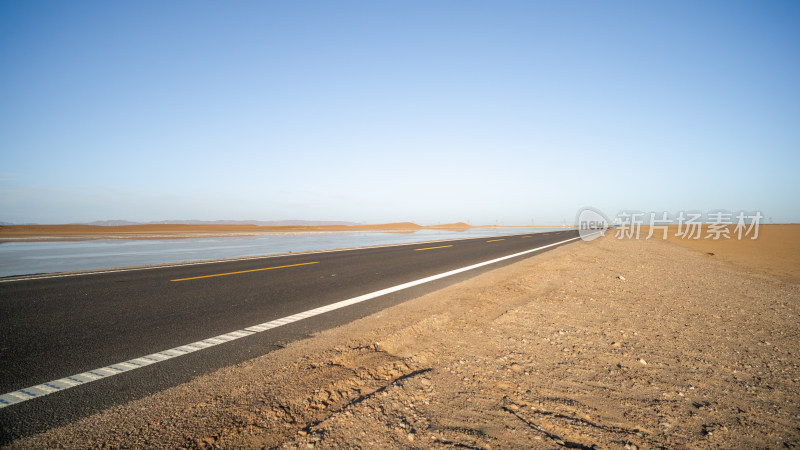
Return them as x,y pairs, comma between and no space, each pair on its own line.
430,112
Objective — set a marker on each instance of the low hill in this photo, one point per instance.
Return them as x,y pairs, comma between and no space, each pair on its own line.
451,226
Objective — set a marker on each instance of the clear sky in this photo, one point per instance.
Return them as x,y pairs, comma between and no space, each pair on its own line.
430,111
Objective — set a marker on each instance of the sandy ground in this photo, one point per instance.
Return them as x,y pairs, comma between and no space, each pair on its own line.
618,344
775,251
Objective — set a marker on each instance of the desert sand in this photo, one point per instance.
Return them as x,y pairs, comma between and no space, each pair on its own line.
775,251
606,344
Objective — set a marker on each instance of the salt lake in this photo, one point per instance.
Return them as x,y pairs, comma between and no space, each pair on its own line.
23,258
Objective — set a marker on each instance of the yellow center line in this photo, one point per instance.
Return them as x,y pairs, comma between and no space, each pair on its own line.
523,237
431,248
495,240
245,271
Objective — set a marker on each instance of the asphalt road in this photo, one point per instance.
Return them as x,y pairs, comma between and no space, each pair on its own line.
59,327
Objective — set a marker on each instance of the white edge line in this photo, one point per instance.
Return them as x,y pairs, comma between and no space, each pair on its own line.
15,278
40,390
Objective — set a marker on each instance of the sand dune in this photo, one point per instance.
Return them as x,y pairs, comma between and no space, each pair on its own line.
451,226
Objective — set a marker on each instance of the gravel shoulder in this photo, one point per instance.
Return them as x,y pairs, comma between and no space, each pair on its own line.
612,343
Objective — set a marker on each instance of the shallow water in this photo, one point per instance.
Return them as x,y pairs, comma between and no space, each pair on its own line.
23,258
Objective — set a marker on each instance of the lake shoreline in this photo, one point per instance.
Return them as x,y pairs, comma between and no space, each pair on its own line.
55,257
71,232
